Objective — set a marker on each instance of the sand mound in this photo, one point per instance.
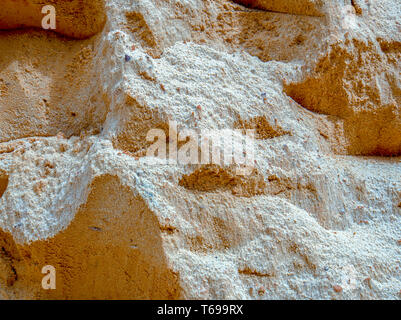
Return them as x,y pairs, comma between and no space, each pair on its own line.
317,217
357,82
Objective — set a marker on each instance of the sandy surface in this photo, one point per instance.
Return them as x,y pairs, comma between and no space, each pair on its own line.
319,215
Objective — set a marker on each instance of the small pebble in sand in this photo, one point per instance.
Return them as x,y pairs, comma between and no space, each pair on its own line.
337,288
127,58
264,96
261,291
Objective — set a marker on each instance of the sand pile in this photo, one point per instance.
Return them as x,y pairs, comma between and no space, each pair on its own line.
315,214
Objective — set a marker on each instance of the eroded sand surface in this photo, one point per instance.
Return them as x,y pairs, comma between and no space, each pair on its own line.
318,217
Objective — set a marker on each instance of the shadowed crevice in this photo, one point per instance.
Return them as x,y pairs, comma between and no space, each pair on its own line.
3,182
297,7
